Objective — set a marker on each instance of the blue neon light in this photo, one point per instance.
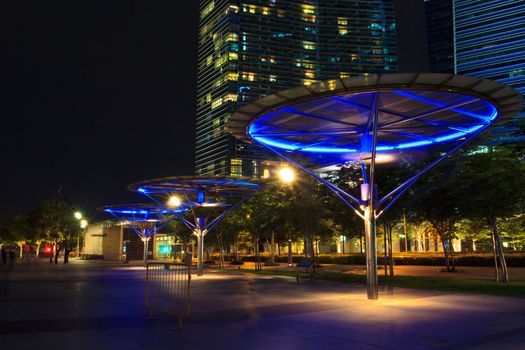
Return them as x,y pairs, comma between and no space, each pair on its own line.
491,116
283,136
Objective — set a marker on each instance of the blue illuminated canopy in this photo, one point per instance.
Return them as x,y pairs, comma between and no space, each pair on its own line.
142,212
335,117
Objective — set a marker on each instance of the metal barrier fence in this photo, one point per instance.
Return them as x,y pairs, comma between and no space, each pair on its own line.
168,289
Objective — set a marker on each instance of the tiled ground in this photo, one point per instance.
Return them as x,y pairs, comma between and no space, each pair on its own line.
94,306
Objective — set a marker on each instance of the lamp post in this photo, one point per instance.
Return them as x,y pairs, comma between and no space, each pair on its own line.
83,225
287,175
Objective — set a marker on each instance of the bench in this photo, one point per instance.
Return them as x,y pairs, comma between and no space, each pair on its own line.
305,266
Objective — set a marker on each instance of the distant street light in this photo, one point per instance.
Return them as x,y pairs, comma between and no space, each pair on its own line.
83,225
287,175
174,202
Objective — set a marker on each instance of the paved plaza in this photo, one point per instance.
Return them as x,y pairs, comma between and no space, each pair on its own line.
101,306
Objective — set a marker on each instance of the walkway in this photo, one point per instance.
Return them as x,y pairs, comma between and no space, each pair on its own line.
100,306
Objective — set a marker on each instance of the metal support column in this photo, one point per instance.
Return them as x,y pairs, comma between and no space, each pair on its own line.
370,209
289,252
145,239
199,232
371,254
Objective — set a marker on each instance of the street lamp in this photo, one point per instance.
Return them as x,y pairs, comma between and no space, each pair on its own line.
83,224
173,202
287,175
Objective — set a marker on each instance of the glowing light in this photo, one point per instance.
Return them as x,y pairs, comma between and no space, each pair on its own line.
270,131
83,223
287,175
78,215
173,202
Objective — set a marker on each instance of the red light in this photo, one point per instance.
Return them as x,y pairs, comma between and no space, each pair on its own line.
48,249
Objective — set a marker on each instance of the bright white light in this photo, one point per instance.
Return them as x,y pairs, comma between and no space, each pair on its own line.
83,223
174,201
287,175
78,215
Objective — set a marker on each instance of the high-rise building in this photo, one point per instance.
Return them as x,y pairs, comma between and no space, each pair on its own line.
440,35
489,40
250,48
481,38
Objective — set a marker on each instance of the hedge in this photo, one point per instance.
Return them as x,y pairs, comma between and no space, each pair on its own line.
427,259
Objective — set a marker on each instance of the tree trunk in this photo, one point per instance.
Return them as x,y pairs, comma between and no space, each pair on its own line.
38,244
66,255
390,254
257,256
452,256
272,258
499,250
57,253
385,249
494,252
445,251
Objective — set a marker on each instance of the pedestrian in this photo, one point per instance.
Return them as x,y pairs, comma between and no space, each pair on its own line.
11,256
4,255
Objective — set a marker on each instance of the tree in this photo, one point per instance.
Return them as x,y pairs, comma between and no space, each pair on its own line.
436,201
492,184
54,219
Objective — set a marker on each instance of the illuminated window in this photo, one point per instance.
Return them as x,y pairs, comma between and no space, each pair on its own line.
308,45
233,9
216,103
263,59
308,18
343,75
353,57
221,60
266,173
248,76
236,167
272,60
308,9
232,37
208,9
272,78
342,21
232,76
265,11
230,97
251,9
308,65
208,98
308,81
343,31
209,60
309,74
233,56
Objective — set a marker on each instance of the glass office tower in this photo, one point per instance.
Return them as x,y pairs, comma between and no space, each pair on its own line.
489,40
250,48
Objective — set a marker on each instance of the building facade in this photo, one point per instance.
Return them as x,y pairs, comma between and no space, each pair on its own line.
250,48
489,42
481,38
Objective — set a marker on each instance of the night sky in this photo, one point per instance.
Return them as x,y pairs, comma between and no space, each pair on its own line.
99,94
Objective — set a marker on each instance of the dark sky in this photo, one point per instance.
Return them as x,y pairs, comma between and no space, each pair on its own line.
99,94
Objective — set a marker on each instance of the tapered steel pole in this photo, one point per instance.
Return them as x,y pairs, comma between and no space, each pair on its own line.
370,214
145,239
371,254
199,232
